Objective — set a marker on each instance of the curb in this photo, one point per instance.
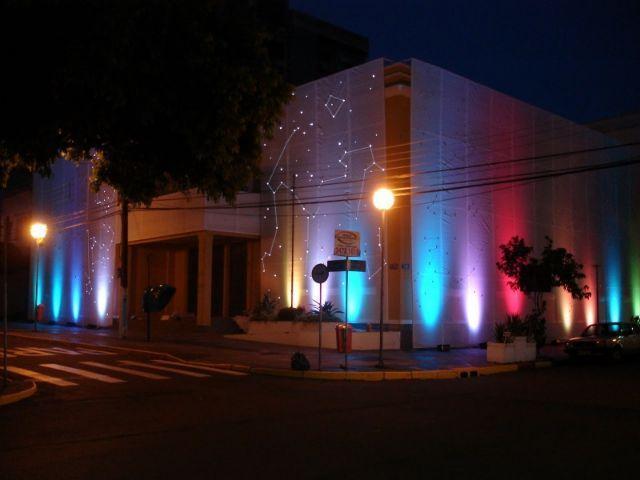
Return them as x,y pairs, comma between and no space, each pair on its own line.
391,375
7,398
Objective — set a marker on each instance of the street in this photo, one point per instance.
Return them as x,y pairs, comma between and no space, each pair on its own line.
569,421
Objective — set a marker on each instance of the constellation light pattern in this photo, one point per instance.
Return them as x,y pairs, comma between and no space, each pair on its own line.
300,155
334,104
100,244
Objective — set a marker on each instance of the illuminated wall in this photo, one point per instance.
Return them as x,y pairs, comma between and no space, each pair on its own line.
331,145
331,142
462,134
465,134
76,268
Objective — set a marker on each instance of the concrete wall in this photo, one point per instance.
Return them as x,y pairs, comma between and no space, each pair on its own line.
457,124
76,271
331,140
77,268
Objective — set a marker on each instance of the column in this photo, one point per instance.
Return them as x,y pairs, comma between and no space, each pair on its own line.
205,270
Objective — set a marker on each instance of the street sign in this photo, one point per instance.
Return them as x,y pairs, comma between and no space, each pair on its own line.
346,243
356,265
347,265
157,297
320,273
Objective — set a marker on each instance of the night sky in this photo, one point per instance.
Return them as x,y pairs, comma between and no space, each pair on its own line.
579,59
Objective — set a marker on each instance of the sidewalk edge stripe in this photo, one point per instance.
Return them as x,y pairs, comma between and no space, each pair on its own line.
8,398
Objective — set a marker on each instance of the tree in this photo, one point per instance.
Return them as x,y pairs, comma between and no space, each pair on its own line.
159,95
536,276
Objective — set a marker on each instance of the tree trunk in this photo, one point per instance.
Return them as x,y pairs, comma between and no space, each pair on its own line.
124,265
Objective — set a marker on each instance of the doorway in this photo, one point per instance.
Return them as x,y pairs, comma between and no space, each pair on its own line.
229,276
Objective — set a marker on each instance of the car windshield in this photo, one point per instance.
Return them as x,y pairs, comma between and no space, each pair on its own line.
604,330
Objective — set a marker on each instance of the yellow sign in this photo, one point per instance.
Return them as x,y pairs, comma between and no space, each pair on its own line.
346,243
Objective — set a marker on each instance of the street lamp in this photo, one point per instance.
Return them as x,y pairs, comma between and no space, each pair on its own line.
38,232
383,201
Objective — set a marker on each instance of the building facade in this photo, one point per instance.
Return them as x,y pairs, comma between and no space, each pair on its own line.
469,166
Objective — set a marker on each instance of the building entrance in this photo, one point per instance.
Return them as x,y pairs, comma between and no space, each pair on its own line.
229,282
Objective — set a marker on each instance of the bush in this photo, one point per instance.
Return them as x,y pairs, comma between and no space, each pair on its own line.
537,325
291,314
329,312
513,325
265,309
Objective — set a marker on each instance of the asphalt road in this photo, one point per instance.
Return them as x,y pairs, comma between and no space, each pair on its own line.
578,421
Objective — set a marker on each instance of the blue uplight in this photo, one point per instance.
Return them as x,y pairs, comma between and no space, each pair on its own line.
57,282
613,286
76,280
356,294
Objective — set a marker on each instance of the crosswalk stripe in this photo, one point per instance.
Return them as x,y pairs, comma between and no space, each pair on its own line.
166,369
130,371
64,351
41,377
91,351
202,367
83,373
30,352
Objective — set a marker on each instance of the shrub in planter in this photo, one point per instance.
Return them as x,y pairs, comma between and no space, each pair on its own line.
329,312
291,314
512,327
265,309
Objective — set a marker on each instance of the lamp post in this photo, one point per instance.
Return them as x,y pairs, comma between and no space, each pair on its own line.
38,232
383,201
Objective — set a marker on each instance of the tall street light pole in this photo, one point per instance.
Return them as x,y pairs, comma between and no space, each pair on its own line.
383,200
38,232
597,292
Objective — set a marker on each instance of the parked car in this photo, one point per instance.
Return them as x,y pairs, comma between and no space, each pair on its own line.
613,339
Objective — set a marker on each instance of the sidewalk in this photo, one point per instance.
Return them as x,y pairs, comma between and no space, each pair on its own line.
16,391
202,344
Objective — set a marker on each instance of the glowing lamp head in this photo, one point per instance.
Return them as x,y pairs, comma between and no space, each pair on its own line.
38,232
383,199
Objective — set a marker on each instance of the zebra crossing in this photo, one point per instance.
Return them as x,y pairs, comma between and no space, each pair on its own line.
109,370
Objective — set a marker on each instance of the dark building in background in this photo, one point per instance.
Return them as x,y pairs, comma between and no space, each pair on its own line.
306,48
317,49
623,128
16,206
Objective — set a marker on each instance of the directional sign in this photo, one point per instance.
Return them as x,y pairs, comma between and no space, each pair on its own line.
157,297
344,265
346,243
320,273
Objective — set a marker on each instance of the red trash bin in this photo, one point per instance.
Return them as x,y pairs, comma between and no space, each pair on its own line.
343,337
40,313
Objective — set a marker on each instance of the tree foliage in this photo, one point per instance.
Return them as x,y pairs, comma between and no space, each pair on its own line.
556,267
533,276
159,94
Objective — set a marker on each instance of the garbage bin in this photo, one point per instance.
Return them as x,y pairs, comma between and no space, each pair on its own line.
343,337
40,313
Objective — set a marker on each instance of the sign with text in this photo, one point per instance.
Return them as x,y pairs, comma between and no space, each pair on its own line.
346,243
347,265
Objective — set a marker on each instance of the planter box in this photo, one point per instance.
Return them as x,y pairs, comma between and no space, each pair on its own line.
518,351
305,334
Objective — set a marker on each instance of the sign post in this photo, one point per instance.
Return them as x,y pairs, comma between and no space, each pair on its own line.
346,244
320,273
5,242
